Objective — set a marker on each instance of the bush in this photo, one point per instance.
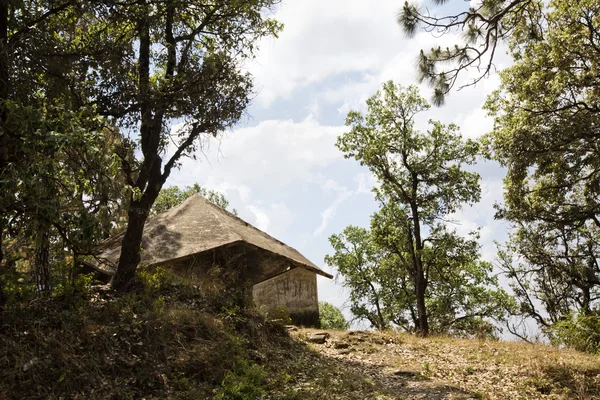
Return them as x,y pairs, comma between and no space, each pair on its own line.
331,317
580,332
245,382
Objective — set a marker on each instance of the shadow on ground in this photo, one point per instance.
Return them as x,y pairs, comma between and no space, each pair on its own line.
335,376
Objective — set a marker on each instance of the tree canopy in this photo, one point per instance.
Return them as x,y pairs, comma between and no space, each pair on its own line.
422,180
546,134
482,26
173,196
88,94
331,317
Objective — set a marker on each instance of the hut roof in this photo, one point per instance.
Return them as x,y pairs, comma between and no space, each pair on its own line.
193,227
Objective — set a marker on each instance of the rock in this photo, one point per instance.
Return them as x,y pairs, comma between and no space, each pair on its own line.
407,374
341,345
318,337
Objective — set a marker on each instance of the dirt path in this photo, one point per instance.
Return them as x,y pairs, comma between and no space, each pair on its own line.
373,365
367,355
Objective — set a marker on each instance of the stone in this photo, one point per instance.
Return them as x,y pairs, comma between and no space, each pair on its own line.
341,345
318,337
407,374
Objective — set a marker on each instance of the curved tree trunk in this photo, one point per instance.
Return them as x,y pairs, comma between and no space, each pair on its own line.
130,248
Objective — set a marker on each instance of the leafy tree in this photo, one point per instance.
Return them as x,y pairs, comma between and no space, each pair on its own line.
57,156
173,196
545,133
148,63
422,180
580,332
462,295
483,26
330,317
546,121
360,261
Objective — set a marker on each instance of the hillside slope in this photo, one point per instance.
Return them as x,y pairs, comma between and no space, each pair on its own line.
374,365
169,342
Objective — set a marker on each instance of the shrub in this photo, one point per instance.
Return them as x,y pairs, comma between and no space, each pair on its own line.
580,332
331,317
245,382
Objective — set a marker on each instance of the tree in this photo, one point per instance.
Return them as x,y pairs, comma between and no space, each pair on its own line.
547,119
173,196
555,267
462,296
421,176
360,261
546,135
483,25
57,166
330,317
147,63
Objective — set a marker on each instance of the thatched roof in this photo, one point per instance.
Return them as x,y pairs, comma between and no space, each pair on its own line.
194,227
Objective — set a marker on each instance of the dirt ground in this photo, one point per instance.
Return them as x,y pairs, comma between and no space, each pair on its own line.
375,365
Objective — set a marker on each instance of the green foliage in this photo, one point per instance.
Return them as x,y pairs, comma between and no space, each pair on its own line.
410,269
580,332
546,120
155,279
330,317
173,196
361,263
545,134
244,382
483,26
65,169
280,315
462,297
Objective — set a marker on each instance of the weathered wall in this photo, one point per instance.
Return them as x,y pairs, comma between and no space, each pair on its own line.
295,291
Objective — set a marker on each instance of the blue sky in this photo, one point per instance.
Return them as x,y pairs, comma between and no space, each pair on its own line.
280,168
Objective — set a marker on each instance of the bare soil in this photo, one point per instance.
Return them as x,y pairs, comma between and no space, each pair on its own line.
387,365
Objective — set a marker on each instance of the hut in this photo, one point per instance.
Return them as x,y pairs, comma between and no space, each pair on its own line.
197,235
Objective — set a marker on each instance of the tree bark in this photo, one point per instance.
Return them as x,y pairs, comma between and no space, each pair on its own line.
2,292
41,269
148,180
130,247
3,116
420,287
420,279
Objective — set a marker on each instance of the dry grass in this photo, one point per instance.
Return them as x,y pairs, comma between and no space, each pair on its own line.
402,366
168,344
173,342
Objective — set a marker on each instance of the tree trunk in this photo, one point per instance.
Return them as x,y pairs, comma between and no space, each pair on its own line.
130,247
423,327
132,241
148,180
2,293
419,277
3,117
41,268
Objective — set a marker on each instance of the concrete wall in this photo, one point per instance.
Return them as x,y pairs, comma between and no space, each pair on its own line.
295,291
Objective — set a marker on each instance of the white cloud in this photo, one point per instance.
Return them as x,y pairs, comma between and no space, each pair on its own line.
273,154
262,219
325,38
329,212
274,219
285,175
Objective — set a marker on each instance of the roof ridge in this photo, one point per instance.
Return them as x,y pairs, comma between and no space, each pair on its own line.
230,214
196,225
